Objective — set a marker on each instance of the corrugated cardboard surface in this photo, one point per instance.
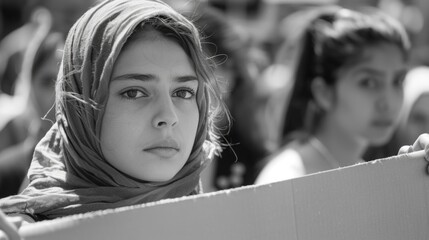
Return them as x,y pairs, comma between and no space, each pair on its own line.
387,199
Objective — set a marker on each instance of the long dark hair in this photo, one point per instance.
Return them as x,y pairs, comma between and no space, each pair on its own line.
333,39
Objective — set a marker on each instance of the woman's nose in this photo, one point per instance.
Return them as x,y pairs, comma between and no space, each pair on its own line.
389,101
382,104
165,115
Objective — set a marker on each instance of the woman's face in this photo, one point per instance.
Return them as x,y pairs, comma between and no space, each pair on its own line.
369,94
43,86
151,116
418,120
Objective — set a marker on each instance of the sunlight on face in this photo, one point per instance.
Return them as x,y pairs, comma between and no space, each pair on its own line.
369,94
151,117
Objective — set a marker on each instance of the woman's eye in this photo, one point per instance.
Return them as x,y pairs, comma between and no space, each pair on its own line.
369,83
133,94
399,81
48,81
184,93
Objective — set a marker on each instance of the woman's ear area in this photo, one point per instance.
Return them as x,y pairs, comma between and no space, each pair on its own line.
323,93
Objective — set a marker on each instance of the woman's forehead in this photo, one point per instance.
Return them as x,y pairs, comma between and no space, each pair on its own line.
383,56
146,32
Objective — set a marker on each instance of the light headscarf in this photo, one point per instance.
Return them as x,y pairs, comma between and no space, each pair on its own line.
416,84
69,174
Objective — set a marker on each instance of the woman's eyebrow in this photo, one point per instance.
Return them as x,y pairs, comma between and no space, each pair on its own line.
187,78
136,76
148,77
371,71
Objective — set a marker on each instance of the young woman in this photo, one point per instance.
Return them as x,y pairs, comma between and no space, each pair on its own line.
414,119
135,105
347,93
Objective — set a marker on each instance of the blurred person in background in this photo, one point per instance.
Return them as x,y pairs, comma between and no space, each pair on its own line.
26,82
33,99
17,110
347,92
414,119
245,140
14,44
277,78
414,15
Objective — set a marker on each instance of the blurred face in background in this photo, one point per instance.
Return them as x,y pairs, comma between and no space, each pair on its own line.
418,120
369,94
43,86
44,70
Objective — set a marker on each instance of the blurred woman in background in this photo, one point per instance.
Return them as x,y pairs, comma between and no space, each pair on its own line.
347,92
414,119
35,95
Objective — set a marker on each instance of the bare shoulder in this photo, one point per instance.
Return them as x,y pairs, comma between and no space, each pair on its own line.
286,164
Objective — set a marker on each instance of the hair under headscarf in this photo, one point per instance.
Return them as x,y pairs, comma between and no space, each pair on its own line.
69,174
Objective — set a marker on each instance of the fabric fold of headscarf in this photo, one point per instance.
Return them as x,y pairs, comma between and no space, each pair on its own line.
68,174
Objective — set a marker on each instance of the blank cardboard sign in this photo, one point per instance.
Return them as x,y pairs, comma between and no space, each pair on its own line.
386,199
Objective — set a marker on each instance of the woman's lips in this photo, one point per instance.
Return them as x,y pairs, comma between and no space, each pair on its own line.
382,123
165,148
163,152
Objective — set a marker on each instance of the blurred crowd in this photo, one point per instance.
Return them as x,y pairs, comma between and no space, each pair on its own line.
257,47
